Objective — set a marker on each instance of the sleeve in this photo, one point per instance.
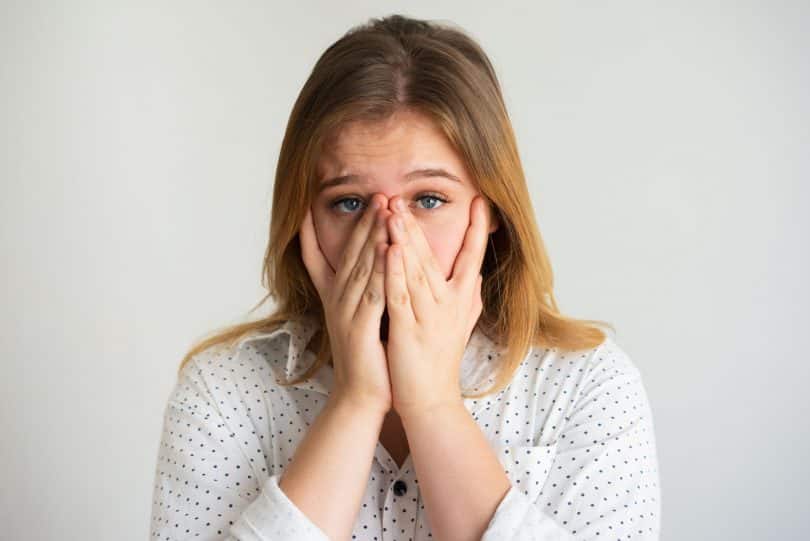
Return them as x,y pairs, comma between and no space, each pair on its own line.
601,479
206,486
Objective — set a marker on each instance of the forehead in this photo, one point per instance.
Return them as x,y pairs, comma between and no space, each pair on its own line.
404,141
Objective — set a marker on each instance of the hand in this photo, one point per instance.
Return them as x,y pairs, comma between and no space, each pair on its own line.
431,319
353,297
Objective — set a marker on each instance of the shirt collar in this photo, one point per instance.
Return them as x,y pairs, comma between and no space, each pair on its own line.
478,365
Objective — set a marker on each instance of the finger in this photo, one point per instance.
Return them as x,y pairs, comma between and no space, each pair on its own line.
315,262
477,306
423,301
397,298
430,267
357,241
358,280
471,256
372,303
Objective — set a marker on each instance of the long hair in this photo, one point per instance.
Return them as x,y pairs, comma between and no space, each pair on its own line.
374,70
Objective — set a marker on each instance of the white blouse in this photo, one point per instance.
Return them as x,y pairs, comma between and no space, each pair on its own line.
573,431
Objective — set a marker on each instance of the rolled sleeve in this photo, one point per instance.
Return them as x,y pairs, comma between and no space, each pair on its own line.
274,516
518,517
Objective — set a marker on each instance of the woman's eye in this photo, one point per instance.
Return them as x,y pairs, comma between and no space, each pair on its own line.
350,205
435,198
339,202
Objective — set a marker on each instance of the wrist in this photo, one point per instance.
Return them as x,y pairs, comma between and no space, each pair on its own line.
427,410
358,406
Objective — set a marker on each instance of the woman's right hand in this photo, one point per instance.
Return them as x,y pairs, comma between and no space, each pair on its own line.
353,298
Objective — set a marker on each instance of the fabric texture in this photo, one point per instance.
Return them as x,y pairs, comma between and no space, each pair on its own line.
573,431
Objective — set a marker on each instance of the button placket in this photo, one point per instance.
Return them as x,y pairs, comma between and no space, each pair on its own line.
399,511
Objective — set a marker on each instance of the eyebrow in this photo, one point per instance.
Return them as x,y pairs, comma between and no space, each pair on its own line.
413,175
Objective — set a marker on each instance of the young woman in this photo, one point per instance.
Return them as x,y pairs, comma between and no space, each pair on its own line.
416,380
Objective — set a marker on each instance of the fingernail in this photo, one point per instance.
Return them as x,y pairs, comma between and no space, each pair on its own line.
375,204
399,204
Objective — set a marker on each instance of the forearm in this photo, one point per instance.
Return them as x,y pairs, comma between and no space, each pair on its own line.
329,472
461,480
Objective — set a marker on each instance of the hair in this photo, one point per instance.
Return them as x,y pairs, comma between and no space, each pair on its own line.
392,64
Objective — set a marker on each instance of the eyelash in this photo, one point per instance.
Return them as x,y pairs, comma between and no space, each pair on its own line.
430,195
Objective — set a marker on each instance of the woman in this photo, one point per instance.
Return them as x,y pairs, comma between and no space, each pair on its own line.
416,379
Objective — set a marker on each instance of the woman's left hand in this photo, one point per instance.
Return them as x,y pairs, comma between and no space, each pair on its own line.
431,319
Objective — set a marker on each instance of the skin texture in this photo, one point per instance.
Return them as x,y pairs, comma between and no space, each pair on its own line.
382,153
461,489
431,318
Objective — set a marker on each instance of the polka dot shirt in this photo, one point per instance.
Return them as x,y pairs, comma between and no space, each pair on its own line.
573,431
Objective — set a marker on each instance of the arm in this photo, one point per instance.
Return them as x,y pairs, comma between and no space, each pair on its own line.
334,457
602,479
460,477
214,479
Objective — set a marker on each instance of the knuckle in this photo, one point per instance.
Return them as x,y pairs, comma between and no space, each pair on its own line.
372,296
360,271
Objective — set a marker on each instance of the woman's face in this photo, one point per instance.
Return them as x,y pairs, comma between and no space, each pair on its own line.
380,156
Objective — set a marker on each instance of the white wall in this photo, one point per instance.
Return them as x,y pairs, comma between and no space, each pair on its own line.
667,150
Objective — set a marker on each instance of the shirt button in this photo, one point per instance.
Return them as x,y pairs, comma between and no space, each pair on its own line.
400,487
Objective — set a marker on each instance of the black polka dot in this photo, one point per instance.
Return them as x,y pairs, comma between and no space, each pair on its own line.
573,432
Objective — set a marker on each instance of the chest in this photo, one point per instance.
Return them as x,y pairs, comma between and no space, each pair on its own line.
394,439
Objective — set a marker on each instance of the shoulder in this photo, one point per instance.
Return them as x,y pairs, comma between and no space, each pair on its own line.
609,387
610,358
582,365
252,362
260,352
253,369
564,381
228,380
610,366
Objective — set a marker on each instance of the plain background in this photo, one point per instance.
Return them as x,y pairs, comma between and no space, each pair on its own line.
667,151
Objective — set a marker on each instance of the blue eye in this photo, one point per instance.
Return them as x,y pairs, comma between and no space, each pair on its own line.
344,200
353,203
435,198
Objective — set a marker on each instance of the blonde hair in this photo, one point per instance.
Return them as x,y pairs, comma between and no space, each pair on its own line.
374,70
